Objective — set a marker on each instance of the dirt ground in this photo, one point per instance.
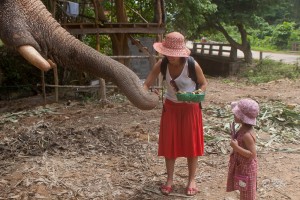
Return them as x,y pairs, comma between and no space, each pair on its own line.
79,149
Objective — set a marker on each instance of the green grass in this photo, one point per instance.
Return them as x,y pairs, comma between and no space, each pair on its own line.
269,70
274,51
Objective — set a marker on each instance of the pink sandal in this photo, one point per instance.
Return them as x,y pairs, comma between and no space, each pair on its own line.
190,191
165,190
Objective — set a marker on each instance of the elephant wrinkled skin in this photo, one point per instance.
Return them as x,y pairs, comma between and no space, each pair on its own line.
28,27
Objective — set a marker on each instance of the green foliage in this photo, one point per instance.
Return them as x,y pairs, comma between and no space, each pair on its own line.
277,13
105,43
274,37
269,70
265,44
202,18
89,12
261,30
294,38
216,36
233,12
140,11
187,16
18,75
219,37
282,34
295,35
15,69
136,11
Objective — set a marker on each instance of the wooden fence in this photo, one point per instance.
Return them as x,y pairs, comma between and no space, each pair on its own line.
296,46
225,51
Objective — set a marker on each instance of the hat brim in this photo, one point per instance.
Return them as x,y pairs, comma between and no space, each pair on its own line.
183,52
239,114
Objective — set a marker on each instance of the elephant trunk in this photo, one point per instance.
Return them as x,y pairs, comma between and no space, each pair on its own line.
74,54
68,51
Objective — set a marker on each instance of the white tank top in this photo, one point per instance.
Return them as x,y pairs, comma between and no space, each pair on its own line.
183,82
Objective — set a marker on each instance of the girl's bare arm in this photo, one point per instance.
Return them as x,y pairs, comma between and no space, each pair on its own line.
250,151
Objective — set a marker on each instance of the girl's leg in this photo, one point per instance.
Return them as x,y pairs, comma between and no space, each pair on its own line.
192,167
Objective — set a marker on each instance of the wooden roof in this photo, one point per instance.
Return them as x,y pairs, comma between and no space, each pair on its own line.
82,24
109,28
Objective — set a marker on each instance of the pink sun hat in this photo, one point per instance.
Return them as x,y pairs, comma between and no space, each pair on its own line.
173,45
246,110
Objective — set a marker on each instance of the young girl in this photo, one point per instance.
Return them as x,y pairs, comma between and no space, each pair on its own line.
242,172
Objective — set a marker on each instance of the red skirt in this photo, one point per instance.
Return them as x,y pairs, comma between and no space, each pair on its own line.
181,130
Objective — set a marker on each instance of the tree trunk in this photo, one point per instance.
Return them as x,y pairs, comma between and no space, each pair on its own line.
248,55
244,46
159,12
120,40
100,11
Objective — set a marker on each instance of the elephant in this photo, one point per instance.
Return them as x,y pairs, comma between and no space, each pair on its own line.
29,28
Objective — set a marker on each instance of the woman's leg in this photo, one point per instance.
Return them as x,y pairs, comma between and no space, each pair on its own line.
167,188
170,163
192,167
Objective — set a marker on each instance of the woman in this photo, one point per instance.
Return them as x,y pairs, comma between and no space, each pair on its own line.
181,129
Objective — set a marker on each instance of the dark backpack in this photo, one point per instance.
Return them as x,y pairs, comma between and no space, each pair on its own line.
191,67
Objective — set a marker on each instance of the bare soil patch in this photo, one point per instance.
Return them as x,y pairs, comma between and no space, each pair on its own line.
86,150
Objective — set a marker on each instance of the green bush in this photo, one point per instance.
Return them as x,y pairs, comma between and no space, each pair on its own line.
282,33
268,70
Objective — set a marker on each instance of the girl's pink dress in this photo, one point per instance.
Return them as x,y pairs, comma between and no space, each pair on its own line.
240,166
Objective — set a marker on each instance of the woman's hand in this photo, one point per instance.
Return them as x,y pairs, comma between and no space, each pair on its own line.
152,90
155,91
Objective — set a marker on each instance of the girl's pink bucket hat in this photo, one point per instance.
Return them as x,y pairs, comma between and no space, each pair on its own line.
246,110
173,45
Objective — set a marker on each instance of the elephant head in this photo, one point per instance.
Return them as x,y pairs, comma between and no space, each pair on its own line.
28,27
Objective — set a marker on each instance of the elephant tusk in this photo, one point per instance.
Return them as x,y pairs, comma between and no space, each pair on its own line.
34,57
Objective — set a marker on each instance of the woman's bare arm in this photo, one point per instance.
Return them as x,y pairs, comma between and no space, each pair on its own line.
200,77
152,75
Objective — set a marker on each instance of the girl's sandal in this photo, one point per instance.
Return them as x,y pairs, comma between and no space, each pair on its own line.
165,190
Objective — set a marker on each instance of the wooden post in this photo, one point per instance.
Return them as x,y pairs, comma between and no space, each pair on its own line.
202,48
43,86
233,53
55,82
55,74
260,55
53,7
159,80
220,50
102,89
102,86
210,49
194,47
